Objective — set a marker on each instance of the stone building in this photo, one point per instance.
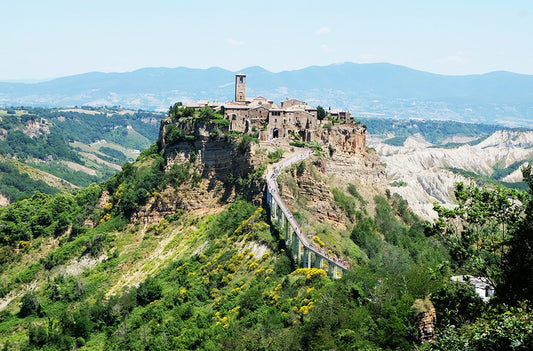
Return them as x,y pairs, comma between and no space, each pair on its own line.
273,121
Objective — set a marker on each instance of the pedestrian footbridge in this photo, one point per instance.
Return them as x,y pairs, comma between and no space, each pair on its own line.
304,253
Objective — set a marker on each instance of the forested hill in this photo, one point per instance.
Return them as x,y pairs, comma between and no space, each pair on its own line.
58,149
365,89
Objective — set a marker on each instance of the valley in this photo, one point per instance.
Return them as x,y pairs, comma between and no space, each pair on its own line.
424,172
65,149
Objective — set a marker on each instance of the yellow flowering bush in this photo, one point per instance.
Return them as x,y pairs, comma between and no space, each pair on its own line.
310,273
318,241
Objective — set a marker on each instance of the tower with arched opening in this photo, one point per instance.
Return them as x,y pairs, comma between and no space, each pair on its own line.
240,87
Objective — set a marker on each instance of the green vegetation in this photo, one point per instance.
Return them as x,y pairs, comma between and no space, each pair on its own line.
275,156
16,185
345,202
481,179
320,113
489,235
114,154
353,191
396,141
502,172
102,278
479,228
67,143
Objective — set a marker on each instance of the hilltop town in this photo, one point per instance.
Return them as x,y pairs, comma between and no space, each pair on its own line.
292,118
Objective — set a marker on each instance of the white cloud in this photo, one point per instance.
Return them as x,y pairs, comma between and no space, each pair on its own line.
234,42
323,30
324,47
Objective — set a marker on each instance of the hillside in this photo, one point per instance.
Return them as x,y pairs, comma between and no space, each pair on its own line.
63,149
365,89
178,251
170,251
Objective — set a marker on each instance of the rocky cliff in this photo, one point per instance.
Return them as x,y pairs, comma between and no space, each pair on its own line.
222,164
344,138
217,168
308,189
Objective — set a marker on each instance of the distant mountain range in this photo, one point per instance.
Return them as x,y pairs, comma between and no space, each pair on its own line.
378,89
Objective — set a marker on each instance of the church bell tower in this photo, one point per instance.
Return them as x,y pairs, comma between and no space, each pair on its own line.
240,87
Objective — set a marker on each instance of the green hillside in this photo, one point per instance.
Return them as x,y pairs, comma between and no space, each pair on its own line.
116,266
80,146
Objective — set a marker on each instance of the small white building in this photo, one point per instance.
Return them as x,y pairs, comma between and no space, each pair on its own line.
483,286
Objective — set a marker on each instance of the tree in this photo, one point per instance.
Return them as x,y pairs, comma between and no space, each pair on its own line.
478,230
320,113
148,291
518,273
29,305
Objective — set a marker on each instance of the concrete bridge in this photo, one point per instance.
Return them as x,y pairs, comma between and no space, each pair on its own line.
304,253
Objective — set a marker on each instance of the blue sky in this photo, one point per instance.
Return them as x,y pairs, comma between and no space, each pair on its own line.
46,39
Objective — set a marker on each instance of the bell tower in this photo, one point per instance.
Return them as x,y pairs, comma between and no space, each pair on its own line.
240,87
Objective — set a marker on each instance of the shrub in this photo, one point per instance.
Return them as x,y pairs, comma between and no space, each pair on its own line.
148,291
310,273
347,203
353,191
275,156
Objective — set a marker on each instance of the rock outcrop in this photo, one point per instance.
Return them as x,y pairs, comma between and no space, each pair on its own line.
425,320
344,138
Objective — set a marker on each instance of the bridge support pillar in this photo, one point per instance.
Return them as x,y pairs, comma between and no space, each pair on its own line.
300,255
295,249
318,259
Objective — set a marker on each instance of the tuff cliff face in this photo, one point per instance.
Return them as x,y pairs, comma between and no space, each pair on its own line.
311,188
344,138
216,168
222,165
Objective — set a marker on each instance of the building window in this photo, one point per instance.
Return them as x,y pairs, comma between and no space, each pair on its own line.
233,117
